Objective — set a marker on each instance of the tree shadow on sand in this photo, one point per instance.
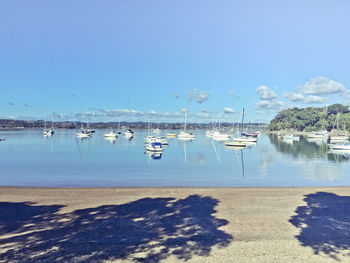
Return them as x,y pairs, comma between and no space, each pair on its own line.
146,230
324,223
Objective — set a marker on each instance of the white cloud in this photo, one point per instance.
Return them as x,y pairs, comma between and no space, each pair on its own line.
229,110
199,96
294,96
269,105
268,99
321,85
184,110
314,99
298,97
202,115
265,93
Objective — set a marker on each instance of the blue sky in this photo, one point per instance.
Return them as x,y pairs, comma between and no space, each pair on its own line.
141,60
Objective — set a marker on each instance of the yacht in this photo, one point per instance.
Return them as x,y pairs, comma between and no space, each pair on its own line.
339,137
245,139
291,137
156,131
185,135
84,134
129,133
111,134
161,139
236,144
49,132
209,133
154,147
219,136
318,135
340,146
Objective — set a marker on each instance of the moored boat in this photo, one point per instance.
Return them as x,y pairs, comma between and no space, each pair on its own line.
339,146
154,147
111,134
291,137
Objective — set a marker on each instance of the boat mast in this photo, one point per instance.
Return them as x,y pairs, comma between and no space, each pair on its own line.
52,123
242,120
185,121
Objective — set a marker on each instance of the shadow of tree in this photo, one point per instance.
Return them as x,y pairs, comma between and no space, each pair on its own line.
324,223
146,230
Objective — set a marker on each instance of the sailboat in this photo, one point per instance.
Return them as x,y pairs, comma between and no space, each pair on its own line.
220,136
185,135
337,136
49,132
151,139
84,133
240,141
111,134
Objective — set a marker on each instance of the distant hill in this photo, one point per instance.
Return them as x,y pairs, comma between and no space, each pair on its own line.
311,119
39,124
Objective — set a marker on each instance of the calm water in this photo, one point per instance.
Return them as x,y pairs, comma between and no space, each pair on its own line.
29,159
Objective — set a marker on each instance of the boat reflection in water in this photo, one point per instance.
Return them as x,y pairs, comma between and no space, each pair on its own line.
111,140
154,155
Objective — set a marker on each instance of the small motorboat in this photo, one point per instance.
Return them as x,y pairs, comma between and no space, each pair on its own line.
154,147
161,139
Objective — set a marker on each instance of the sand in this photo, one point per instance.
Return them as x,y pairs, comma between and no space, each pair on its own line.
175,224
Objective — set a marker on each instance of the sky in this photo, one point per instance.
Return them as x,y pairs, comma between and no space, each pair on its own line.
154,60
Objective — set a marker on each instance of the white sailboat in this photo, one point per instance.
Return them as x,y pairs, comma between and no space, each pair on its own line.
318,135
185,135
129,134
243,139
336,135
49,132
84,133
111,134
220,136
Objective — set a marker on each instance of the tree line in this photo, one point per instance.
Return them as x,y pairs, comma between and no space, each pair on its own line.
312,119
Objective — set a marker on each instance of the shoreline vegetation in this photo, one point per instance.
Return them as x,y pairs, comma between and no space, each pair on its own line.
301,121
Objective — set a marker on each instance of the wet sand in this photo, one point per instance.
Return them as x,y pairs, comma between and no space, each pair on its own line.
172,224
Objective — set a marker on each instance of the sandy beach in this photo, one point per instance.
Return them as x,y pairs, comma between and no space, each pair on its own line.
175,224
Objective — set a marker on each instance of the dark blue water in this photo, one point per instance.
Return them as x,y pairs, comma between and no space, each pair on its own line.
29,159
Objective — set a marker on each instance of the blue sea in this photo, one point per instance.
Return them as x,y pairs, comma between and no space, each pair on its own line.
63,160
